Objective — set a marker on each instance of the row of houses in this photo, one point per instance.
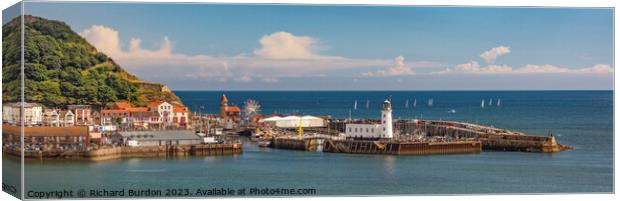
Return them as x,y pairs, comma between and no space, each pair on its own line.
157,115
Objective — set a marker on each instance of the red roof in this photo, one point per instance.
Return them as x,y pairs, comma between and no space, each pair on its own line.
138,109
179,109
153,104
113,111
122,105
233,109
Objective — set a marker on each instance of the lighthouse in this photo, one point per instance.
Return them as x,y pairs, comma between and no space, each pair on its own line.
373,131
386,119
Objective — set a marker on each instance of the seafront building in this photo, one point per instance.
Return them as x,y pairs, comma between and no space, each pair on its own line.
229,114
158,115
33,113
47,138
83,114
105,120
373,130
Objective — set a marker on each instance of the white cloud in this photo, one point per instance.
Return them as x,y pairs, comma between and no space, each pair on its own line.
284,45
281,54
285,55
103,38
490,55
399,68
472,67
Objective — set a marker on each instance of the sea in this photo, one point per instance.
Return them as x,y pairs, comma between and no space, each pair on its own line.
581,119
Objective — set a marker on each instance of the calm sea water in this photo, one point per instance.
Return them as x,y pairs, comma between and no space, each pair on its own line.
582,119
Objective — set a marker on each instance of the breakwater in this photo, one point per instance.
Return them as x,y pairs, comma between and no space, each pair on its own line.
490,137
377,147
401,148
110,153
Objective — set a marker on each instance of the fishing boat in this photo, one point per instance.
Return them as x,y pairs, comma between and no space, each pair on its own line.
264,143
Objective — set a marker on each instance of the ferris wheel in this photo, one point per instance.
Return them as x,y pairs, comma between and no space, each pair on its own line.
251,107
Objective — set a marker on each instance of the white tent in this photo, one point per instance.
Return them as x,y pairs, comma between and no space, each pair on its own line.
293,121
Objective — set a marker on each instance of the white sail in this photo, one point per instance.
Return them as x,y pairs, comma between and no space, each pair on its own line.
491,102
355,105
407,103
367,103
482,104
430,102
499,102
415,102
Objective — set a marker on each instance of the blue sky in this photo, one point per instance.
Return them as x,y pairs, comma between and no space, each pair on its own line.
250,47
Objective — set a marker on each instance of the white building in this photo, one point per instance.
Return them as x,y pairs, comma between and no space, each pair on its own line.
33,113
383,130
294,121
67,118
165,111
51,118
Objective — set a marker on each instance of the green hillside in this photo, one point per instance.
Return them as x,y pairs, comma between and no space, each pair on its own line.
62,68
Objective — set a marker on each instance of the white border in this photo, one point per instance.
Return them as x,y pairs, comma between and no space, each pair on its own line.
525,3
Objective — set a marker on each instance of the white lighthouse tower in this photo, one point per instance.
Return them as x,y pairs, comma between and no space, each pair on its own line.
386,119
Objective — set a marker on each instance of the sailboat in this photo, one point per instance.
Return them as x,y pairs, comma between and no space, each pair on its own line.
355,105
430,102
498,102
482,104
407,103
490,102
367,103
415,102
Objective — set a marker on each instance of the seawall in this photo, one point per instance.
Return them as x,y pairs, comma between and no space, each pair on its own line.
111,153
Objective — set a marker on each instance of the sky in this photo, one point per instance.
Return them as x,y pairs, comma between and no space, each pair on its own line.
303,47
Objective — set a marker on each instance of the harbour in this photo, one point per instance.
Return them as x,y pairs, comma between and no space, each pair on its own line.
323,169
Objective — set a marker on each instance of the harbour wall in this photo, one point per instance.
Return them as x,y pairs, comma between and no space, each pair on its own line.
111,153
378,147
491,138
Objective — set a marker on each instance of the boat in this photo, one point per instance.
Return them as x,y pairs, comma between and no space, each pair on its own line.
407,103
452,111
491,102
498,102
355,105
482,104
367,103
430,102
264,143
415,102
